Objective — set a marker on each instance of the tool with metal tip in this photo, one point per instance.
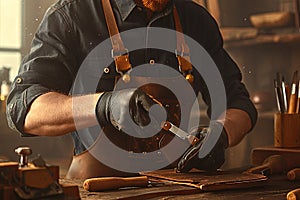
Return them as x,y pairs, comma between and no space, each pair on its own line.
23,152
168,126
274,164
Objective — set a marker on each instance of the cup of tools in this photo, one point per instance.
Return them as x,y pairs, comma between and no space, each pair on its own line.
287,130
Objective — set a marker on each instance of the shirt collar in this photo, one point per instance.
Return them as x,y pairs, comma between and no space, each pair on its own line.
125,7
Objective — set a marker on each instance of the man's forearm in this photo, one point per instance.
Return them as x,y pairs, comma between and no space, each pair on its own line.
53,114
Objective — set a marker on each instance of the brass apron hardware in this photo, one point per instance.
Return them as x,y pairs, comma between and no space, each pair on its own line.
121,55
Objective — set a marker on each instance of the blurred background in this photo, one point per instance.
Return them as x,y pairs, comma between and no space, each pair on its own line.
260,50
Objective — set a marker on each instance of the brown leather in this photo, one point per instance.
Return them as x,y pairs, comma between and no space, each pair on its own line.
220,180
182,48
121,56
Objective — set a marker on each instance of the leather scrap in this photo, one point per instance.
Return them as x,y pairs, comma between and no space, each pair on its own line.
219,180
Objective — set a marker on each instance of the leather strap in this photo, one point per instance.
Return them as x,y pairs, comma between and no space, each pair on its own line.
182,51
119,53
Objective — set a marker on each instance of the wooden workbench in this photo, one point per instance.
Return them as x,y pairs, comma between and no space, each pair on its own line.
276,188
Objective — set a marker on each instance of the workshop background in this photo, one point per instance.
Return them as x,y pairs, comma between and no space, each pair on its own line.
260,51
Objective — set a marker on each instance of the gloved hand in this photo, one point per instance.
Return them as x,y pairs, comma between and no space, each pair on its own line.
113,108
207,154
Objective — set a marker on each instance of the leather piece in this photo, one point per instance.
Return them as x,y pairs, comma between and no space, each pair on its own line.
219,180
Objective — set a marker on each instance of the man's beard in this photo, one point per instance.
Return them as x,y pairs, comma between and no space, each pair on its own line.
153,5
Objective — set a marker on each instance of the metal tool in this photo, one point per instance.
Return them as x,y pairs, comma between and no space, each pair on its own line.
33,180
23,152
168,126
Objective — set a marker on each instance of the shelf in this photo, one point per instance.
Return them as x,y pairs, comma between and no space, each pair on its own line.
239,37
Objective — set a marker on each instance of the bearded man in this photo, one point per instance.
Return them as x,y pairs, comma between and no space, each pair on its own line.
48,98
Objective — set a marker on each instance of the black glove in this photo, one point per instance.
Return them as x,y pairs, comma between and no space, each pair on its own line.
115,107
207,154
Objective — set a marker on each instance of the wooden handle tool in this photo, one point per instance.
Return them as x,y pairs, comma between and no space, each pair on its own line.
112,183
275,164
293,195
294,174
293,96
168,126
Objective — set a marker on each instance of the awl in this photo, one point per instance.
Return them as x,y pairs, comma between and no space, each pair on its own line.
168,126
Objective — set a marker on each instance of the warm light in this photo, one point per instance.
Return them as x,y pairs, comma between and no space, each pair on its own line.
256,99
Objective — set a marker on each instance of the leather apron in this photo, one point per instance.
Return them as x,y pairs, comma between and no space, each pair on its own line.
85,165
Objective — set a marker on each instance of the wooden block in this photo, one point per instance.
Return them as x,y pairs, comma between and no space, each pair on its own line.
38,177
71,192
291,155
8,169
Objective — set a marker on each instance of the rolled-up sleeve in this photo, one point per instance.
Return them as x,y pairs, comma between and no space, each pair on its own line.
48,67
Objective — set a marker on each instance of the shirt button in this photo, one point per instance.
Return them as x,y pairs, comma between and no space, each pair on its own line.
19,80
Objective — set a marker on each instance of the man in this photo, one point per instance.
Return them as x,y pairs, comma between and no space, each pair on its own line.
42,102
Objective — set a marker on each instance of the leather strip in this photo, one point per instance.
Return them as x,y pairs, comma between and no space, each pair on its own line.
119,53
183,51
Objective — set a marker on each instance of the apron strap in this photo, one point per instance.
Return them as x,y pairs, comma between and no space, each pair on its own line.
120,53
182,52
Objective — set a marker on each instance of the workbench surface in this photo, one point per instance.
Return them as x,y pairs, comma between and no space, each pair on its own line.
276,187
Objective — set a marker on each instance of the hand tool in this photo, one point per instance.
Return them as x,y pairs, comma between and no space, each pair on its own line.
168,126
278,92
284,94
26,180
112,183
23,152
293,96
294,174
272,165
293,195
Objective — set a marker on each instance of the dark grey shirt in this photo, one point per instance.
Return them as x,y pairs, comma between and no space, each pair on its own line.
71,29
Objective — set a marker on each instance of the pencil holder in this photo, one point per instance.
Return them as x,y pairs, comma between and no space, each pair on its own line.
286,130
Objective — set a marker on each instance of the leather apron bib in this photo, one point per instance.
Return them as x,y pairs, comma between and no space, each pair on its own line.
85,165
